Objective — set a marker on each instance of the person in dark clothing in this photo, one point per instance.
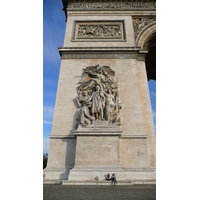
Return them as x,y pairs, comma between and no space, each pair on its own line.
113,178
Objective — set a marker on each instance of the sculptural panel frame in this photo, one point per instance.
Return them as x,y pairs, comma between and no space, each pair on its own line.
98,97
99,31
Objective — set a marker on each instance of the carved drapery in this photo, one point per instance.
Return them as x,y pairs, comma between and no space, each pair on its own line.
98,96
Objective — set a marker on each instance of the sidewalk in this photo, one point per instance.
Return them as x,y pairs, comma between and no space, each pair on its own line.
66,192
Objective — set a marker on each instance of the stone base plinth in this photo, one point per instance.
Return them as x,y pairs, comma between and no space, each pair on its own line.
55,174
140,173
52,181
107,183
89,174
97,152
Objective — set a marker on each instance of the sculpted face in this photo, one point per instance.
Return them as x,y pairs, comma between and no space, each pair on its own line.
84,93
97,88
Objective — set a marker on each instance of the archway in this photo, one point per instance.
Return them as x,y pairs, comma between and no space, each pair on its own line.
146,40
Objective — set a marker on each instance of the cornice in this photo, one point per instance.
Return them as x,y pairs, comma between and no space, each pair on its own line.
134,137
111,5
101,52
62,137
97,49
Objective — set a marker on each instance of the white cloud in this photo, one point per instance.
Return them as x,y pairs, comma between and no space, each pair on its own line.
47,122
152,93
154,114
48,112
46,142
154,118
49,81
49,94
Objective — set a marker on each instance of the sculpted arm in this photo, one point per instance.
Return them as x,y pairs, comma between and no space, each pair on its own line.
90,98
104,93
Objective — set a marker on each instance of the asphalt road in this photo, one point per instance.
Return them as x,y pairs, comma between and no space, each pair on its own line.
65,192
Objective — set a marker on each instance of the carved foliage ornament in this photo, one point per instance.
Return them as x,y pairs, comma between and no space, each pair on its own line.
98,96
140,23
92,4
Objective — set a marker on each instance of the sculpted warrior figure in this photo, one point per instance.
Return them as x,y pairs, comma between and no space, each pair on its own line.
85,117
98,103
99,95
109,104
96,77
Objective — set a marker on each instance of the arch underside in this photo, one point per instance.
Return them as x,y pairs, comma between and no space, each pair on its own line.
151,58
147,40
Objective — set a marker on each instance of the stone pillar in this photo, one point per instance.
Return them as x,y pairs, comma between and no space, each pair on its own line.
102,33
147,111
97,152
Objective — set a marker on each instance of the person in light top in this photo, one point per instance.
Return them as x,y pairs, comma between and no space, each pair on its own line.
108,177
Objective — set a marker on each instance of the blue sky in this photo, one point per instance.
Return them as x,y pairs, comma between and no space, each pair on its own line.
53,37
177,94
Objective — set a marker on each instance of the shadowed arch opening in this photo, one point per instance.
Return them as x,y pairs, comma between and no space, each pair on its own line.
147,40
151,57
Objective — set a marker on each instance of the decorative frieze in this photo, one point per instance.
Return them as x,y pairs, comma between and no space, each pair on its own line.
98,30
140,23
110,4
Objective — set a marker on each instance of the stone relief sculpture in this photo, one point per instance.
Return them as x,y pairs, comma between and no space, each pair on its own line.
130,4
140,23
85,117
98,103
98,31
98,96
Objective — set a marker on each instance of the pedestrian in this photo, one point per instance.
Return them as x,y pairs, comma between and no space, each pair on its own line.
113,178
108,177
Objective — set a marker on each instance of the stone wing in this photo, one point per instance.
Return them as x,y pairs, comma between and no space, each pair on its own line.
108,71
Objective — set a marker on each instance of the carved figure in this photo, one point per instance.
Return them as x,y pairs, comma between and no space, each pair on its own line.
140,23
98,95
109,105
98,103
99,31
115,115
85,117
91,4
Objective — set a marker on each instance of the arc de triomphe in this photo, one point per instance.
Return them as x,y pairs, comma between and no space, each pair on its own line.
103,119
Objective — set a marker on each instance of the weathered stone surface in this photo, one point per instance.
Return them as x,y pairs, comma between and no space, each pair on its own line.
82,153
99,30
125,22
111,4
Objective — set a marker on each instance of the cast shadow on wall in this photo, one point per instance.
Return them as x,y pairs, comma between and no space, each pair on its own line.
71,144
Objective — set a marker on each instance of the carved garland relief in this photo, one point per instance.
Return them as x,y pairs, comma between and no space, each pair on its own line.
98,96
